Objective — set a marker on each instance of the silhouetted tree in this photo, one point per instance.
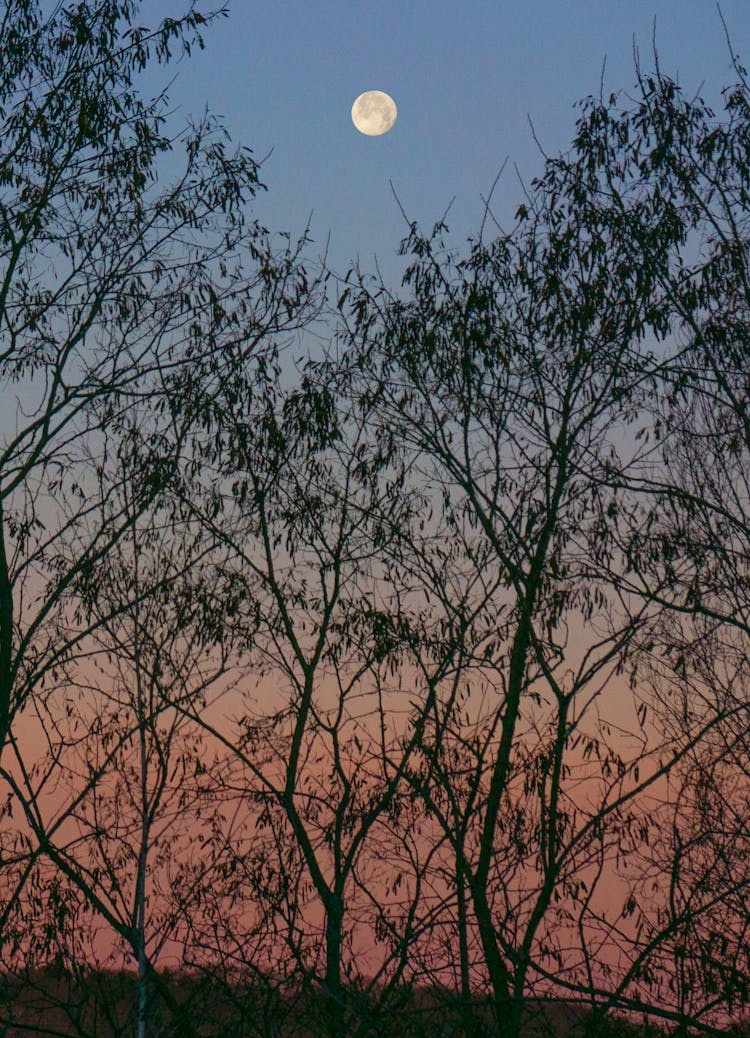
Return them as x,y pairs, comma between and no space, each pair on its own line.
481,571
127,263
521,382
684,549
301,500
152,604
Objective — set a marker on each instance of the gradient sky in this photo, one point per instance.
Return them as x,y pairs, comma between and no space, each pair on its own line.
466,77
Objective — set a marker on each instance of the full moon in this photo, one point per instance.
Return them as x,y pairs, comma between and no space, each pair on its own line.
374,113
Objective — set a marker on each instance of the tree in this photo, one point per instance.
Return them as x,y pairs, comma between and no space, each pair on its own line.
521,381
685,548
301,499
505,377
111,287
485,566
125,272
152,603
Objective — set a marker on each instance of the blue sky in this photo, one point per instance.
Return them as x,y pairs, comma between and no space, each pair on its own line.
466,77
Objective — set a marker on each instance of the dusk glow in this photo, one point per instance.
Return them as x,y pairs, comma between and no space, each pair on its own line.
374,520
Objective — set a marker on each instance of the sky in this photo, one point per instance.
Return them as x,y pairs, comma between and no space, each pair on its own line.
468,78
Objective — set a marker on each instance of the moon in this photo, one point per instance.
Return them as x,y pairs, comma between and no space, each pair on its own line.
374,113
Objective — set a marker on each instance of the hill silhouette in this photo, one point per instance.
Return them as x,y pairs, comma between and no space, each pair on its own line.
103,1004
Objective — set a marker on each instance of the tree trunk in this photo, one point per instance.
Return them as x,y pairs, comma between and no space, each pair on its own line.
334,994
141,932
6,636
505,1010
142,964
140,893
467,1014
